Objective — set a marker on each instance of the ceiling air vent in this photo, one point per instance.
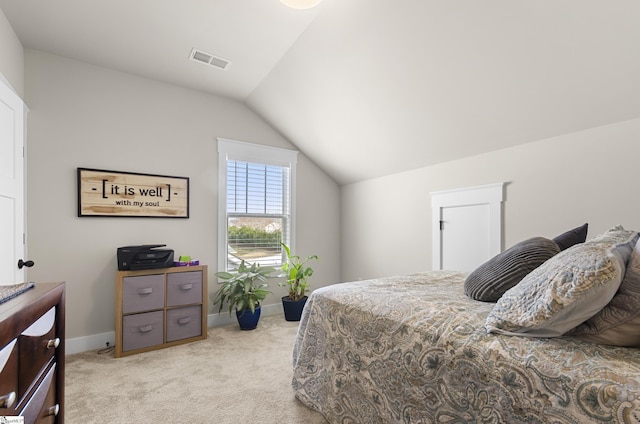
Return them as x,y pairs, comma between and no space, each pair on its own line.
209,59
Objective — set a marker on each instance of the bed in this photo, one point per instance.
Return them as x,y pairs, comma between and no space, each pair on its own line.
416,349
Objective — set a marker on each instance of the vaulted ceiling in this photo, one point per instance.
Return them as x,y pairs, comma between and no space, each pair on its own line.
368,88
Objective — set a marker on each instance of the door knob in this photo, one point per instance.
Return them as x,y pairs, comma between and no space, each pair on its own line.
22,264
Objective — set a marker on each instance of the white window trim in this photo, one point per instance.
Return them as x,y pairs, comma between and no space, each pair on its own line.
249,152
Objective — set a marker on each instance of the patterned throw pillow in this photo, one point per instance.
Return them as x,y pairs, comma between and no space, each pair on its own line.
618,323
493,278
566,290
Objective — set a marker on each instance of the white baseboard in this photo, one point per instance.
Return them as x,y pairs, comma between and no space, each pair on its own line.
83,344
99,341
223,318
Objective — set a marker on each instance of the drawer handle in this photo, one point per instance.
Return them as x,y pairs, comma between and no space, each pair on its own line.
7,401
145,328
53,410
185,320
53,343
187,286
147,290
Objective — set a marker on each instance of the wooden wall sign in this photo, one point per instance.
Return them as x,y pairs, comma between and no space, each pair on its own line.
128,194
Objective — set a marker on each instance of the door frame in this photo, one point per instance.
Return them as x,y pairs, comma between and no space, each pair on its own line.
14,183
489,194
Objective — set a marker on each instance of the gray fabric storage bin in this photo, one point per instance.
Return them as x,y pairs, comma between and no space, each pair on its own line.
142,293
142,330
184,288
183,323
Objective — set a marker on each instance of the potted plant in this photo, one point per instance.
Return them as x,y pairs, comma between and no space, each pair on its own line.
297,274
243,290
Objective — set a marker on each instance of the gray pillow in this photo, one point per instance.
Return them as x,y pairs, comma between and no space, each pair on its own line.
493,278
618,323
571,237
566,290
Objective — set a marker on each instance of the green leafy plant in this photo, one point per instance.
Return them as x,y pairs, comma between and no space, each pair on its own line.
296,273
243,289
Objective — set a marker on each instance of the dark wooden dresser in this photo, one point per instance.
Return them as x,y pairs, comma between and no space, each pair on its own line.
32,354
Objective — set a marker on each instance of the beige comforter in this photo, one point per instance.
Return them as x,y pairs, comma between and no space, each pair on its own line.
414,349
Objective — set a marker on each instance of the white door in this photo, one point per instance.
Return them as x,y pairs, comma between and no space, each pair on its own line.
465,237
12,246
467,226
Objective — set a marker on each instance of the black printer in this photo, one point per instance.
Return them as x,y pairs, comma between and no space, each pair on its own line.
146,256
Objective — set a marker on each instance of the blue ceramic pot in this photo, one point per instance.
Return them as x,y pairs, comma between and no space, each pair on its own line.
248,320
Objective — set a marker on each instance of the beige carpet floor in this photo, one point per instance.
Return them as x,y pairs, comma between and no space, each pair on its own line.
232,377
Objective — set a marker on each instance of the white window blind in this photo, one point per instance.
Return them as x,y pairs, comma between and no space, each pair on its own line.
256,210
255,188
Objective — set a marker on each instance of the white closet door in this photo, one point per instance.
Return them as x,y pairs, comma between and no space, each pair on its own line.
465,237
11,186
467,226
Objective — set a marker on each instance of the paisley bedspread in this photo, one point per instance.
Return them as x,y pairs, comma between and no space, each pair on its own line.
414,349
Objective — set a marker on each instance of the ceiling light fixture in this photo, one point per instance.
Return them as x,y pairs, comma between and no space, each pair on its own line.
300,4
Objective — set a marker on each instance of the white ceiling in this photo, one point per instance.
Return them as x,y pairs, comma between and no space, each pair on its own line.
368,88
154,38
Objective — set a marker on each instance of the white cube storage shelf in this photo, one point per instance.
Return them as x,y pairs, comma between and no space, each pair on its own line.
157,308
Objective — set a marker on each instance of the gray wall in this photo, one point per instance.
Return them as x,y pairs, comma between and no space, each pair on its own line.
553,185
87,116
11,57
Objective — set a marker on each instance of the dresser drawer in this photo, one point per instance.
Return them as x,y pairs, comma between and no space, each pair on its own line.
184,288
36,347
9,378
32,330
42,407
142,330
183,323
142,293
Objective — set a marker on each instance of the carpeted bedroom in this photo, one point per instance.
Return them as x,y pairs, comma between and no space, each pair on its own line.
424,156
231,377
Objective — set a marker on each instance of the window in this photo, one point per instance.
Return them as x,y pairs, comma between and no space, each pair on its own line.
256,199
